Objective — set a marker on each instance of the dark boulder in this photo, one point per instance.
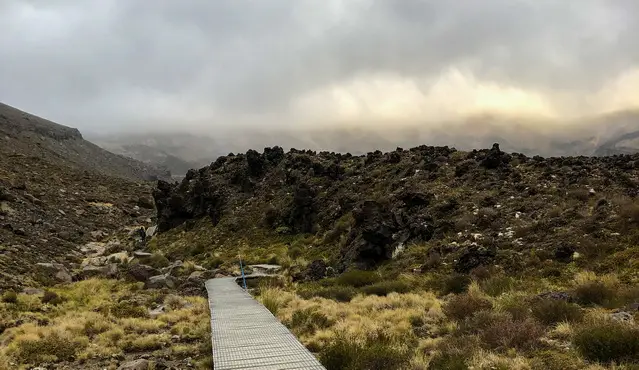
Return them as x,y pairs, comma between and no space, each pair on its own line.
142,273
302,212
372,235
316,270
564,253
495,158
473,257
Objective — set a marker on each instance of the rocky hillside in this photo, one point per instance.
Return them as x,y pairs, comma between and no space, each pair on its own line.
426,258
23,134
59,192
77,289
464,209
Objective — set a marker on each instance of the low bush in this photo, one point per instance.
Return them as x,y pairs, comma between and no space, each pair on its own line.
145,343
516,305
337,293
358,278
271,300
308,320
497,285
447,361
377,351
594,293
551,360
383,288
37,345
51,297
10,297
499,331
157,260
465,305
607,341
128,309
553,311
454,352
455,283
295,252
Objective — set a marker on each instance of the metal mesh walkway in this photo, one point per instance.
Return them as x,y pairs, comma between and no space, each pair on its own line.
246,335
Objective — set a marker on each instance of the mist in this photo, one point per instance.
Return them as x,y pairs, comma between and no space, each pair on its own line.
213,67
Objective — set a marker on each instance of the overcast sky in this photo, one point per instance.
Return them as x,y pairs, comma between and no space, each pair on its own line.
123,64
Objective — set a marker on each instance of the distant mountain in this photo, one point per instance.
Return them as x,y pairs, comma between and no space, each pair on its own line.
26,135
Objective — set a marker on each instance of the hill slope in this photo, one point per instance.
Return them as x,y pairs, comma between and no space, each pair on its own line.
59,192
28,135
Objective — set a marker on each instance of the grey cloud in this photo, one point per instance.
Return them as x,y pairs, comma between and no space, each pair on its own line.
91,63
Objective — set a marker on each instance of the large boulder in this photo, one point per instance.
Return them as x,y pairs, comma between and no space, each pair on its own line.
160,281
316,270
140,364
52,273
107,271
140,272
371,240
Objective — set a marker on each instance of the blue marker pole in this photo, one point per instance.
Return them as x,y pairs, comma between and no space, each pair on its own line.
242,269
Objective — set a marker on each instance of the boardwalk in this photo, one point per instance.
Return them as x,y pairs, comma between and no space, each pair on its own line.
247,336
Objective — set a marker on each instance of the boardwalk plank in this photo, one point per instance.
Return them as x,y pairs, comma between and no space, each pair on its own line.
245,335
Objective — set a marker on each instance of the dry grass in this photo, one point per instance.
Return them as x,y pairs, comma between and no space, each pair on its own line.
360,321
90,323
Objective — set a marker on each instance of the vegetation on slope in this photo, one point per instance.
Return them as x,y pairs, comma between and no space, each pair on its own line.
470,260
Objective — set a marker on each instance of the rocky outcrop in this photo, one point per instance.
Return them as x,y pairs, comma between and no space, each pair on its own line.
373,207
52,273
160,281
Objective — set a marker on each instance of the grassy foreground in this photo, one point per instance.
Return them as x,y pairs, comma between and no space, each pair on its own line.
488,323
97,324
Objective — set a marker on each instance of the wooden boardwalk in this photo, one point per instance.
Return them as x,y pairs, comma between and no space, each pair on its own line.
246,335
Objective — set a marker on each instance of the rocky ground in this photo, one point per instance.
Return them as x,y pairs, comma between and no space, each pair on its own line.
78,288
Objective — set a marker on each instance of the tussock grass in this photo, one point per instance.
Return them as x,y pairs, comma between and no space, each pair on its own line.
96,319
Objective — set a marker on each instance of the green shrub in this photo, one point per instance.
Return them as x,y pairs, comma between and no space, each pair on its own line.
607,341
447,361
10,297
518,307
307,321
383,288
497,285
499,331
551,360
378,351
594,293
214,263
552,311
295,252
336,293
358,278
455,283
51,298
465,305
454,352
50,346
272,303
158,261
128,309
